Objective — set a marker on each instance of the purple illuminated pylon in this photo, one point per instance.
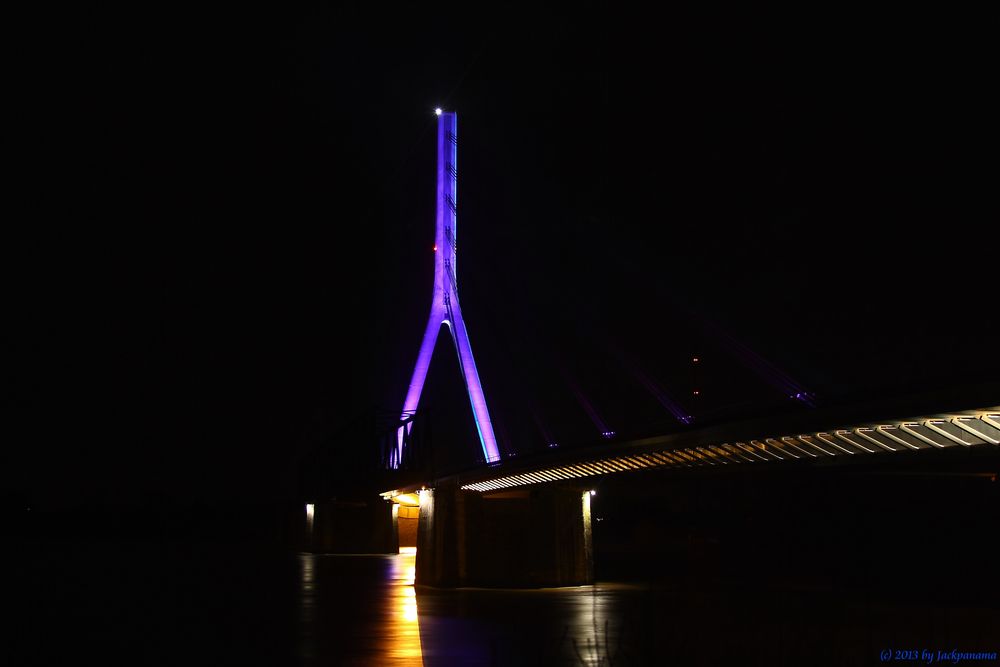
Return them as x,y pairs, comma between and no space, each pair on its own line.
445,308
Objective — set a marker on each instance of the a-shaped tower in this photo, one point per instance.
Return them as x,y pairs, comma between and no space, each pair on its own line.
445,308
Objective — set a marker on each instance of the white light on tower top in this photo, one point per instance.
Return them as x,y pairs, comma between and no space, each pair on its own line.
437,112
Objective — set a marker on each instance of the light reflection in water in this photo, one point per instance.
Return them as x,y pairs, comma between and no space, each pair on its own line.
363,610
359,609
308,578
404,630
591,632
410,606
307,607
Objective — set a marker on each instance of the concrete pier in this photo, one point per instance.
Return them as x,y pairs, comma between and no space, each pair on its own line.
527,538
345,526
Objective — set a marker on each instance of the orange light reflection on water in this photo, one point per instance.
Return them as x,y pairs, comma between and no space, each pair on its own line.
404,632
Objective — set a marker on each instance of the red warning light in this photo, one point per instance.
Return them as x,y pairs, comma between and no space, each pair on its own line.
695,392
694,359
435,247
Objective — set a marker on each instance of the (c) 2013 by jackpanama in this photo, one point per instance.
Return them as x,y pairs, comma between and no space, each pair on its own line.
928,656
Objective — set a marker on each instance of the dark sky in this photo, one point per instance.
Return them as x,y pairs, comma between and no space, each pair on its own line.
229,217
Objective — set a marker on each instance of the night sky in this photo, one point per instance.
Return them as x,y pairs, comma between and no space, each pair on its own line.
228,219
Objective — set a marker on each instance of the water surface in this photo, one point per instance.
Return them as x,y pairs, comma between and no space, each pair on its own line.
153,603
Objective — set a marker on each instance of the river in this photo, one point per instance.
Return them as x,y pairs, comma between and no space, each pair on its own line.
220,604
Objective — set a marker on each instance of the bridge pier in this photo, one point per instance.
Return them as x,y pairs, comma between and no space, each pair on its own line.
526,538
343,526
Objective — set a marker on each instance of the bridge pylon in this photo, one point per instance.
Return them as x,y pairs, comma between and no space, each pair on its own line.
445,306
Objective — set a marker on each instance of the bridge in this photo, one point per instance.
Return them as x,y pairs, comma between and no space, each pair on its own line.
526,519
469,526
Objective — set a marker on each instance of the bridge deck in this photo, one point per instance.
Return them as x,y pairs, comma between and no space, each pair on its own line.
890,431
753,444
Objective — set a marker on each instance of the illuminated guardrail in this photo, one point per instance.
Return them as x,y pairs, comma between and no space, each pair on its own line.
973,428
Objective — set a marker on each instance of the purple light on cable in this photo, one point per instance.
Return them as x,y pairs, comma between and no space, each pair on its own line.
537,418
588,407
770,373
651,385
445,307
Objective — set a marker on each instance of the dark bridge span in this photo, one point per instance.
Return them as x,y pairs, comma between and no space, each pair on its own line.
894,430
529,522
